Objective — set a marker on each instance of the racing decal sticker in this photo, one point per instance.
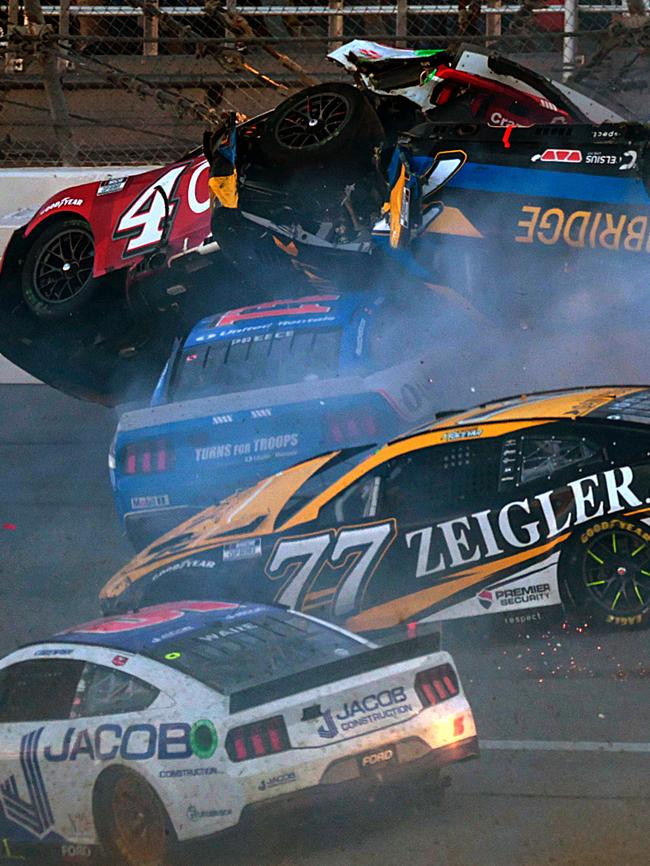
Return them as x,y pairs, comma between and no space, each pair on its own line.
495,542
275,781
168,741
62,202
153,616
557,155
194,814
203,739
140,502
312,306
357,550
625,161
519,524
373,708
283,444
111,185
249,548
455,435
583,228
148,220
32,812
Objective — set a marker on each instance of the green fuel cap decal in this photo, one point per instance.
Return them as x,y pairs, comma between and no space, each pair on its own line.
204,739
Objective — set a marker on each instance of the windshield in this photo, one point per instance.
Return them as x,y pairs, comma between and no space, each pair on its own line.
245,363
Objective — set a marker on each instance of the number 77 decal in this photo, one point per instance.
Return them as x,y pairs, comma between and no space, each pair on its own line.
357,550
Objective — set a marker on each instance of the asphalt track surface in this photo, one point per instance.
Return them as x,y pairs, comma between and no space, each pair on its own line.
563,713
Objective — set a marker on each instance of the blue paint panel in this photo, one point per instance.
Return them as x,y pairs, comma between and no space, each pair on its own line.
141,636
552,184
337,312
213,457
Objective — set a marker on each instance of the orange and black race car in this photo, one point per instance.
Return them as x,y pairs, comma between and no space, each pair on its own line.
509,508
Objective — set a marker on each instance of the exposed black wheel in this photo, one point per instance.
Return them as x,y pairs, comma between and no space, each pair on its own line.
328,120
57,276
132,823
610,572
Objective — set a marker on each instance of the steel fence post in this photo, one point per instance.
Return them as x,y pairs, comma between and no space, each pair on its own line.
400,23
569,40
150,29
335,27
53,89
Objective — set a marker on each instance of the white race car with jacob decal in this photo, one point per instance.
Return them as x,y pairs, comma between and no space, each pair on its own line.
128,736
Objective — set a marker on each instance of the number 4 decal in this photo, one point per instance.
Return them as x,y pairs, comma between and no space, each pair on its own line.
146,219
358,550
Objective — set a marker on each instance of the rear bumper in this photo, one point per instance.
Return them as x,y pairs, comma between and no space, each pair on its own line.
349,786
347,781
144,527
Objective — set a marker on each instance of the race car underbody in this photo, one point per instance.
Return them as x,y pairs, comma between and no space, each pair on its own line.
340,183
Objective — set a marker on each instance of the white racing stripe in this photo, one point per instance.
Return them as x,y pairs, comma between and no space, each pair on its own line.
561,746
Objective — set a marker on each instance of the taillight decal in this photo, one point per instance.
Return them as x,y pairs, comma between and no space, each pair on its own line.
145,458
436,685
257,740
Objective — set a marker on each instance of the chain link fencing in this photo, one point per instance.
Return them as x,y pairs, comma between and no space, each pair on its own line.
95,82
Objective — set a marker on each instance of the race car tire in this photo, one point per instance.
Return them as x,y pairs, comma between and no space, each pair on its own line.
608,572
57,275
132,824
321,122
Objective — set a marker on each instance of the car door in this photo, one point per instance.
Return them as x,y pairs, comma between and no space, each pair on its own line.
36,698
372,542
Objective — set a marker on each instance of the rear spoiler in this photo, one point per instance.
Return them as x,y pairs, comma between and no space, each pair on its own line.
401,651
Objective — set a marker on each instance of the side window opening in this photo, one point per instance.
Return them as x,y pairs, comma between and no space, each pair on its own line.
39,690
534,457
415,486
105,691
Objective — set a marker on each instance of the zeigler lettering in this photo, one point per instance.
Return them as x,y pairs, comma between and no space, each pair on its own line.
521,524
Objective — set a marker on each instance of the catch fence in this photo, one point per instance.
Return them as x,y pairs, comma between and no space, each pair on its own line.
95,83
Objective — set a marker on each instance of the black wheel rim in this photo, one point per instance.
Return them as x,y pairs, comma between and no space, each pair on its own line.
64,266
314,121
616,572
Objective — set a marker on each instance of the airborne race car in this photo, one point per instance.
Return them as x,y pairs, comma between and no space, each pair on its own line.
105,275
125,738
508,508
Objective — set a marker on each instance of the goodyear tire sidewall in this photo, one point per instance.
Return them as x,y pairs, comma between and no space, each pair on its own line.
584,602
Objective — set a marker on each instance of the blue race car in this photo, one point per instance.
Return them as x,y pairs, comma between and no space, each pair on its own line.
254,390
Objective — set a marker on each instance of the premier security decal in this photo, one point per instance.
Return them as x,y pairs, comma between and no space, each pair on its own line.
486,534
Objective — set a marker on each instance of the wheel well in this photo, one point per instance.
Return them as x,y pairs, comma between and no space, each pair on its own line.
60,216
566,559
102,785
103,782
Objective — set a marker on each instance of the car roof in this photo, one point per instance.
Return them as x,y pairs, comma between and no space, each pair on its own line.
603,401
153,626
290,314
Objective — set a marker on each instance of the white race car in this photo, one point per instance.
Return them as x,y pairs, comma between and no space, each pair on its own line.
125,737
